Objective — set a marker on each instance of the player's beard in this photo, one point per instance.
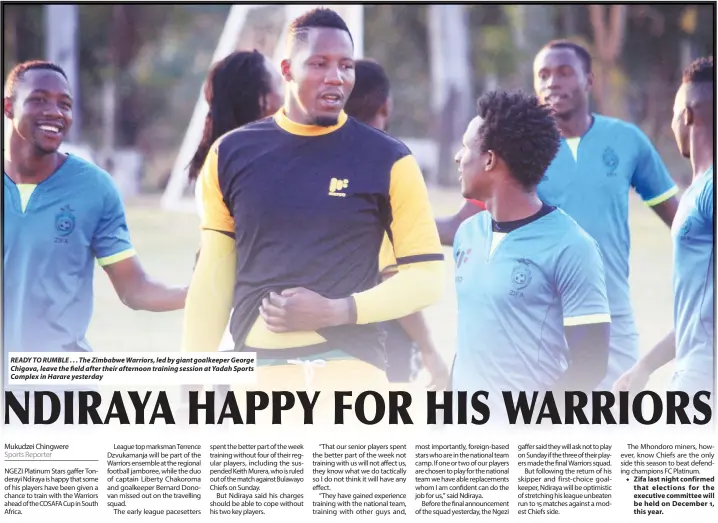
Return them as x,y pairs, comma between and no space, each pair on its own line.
684,147
43,151
685,152
564,116
326,121
39,150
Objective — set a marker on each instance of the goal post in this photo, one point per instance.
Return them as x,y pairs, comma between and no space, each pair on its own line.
174,192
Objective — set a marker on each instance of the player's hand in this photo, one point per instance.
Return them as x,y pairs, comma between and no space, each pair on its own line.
635,379
433,363
300,309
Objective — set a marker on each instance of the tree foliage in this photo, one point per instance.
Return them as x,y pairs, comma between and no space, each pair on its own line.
158,55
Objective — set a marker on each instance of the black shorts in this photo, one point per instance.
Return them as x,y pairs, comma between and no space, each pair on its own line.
402,354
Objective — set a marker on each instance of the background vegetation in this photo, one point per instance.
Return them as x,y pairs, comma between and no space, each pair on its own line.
156,58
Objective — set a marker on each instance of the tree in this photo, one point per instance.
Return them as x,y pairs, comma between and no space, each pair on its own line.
609,28
451,82
22,34
532,26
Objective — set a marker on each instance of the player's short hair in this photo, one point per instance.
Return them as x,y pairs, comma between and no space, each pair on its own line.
521,131
371,90
236,91
580,51
18,72
321,17
699,71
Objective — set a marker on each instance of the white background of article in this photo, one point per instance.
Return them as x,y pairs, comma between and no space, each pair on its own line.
94,443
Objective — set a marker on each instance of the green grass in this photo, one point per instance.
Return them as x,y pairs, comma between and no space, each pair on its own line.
167,243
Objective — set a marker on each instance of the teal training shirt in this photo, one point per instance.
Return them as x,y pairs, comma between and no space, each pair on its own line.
53,232
593,188
515,295
693,284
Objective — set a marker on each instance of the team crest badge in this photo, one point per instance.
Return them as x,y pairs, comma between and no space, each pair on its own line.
610,160
65,221
462,257
521,275
686,228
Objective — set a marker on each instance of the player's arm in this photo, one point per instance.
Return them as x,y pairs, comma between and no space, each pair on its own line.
209,299
115,254
652,181
140,292
664,352
636,377
417,329
588,356
448,226
581,284
420,278
419,281
414,324
666,211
